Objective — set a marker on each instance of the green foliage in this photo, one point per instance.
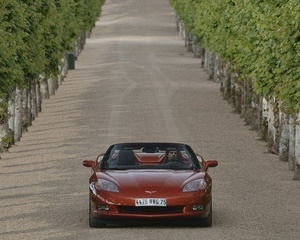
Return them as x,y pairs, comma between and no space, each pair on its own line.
3,108
11,44
7,141
260,38
35,35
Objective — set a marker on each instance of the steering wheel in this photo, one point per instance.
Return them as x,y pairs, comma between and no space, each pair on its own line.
174,163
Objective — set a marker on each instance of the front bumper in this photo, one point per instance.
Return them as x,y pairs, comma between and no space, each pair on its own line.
188,205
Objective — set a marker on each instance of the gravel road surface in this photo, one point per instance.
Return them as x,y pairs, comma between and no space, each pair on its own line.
135,81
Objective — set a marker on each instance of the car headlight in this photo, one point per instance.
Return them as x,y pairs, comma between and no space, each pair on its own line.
105,185
199,184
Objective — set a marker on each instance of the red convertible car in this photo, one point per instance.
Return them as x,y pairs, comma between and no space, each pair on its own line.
150,181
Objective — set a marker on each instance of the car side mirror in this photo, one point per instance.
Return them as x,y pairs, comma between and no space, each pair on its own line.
89,163
210,163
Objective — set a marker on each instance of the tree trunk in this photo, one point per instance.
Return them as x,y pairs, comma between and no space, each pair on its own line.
11,110
284,132
273,126
33,101
196,49
38,96
297,150
6,135
51,86
226,82
25,112
217,69
292,135
44,89
18,115
209,64
264,119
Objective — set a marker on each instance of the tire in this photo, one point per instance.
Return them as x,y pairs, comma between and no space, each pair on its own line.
207,222
94,222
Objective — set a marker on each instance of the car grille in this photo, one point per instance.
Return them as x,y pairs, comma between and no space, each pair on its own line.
151,210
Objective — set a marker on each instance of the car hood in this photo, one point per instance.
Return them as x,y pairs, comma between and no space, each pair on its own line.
150,182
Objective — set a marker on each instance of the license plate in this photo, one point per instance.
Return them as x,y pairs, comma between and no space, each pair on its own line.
140,202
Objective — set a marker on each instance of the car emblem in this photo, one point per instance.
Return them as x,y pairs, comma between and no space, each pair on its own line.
150,192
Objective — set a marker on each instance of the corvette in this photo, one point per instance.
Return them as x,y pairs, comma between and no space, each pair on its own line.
150,181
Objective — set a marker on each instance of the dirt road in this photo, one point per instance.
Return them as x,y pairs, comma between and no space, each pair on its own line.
134,81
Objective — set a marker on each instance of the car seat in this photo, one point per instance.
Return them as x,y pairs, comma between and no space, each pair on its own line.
126,157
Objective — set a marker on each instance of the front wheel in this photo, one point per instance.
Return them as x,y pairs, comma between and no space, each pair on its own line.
207,222
94,222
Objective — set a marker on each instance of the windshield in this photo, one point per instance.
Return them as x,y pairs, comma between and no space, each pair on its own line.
149,156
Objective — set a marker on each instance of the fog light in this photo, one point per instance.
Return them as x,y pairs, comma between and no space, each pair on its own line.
103,207
198,208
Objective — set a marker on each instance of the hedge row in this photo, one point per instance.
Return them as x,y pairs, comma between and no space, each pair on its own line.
261,39
35,34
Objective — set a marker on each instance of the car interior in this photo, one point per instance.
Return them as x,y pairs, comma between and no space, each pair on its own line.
127,157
